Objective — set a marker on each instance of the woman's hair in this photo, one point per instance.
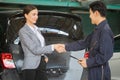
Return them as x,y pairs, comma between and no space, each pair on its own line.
98,6
28,8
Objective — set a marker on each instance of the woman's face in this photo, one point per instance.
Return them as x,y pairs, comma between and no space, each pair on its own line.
32,16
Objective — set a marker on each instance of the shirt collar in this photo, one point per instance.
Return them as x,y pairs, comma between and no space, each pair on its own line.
33,28
101,24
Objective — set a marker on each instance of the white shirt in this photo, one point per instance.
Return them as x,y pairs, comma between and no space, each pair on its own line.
38,34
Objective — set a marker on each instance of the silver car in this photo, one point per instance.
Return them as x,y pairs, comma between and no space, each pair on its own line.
115,60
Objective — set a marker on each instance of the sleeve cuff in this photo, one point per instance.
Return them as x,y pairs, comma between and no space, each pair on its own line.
52,47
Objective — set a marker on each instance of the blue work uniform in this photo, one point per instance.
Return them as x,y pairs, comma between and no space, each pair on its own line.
100,44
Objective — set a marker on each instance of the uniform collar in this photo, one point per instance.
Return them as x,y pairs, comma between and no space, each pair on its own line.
101,24
32,28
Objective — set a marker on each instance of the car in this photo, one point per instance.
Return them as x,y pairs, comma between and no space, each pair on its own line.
115,60
56,27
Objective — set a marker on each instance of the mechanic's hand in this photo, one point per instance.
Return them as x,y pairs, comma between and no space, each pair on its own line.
46,59
82,62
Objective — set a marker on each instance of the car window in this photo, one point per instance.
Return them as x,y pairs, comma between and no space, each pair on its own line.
13,27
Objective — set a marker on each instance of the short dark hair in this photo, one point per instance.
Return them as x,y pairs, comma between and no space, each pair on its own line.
98,6
28,8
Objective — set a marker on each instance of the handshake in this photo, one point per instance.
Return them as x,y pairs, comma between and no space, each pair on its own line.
60,48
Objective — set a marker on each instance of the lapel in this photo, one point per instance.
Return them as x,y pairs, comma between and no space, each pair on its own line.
39,31
30,32
41,35
27,28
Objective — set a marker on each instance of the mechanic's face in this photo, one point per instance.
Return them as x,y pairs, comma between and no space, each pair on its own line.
32,16
92,16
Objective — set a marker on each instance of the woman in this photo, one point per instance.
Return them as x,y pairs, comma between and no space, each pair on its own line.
33,45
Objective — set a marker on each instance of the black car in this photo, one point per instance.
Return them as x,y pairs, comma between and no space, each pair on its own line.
56,27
